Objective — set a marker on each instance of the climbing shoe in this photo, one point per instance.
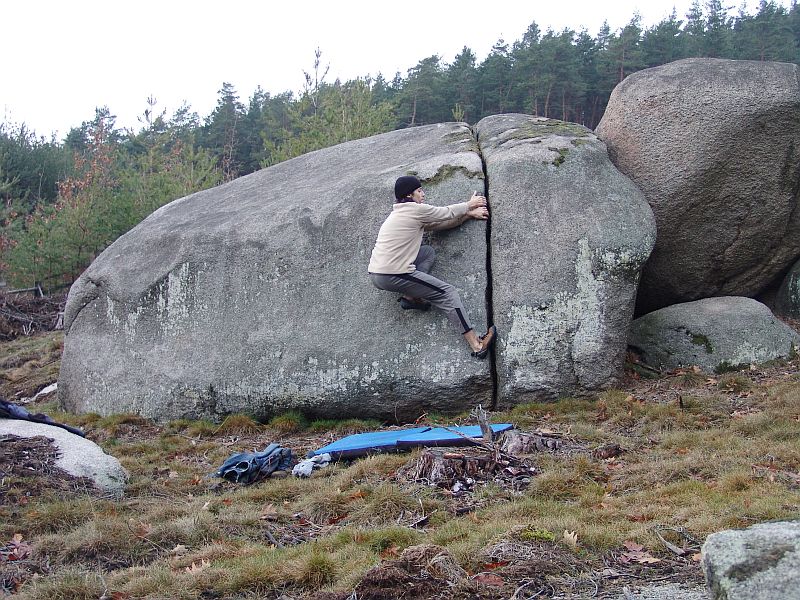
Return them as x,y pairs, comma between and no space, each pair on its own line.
487,341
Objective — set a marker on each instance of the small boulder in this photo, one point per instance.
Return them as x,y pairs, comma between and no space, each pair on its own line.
79,457
761,562
715,334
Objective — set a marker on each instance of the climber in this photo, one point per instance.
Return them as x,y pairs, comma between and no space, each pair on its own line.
400,263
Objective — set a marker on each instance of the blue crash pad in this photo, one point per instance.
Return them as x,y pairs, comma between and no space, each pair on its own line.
447,436
360,444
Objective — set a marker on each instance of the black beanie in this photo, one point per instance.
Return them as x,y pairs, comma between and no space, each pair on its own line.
405,186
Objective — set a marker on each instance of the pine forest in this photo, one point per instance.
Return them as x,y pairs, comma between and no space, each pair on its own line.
65,200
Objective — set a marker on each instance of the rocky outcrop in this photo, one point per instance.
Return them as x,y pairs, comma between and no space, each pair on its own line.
715,334
787,301
758,563
715,147
78,456
569,235
253,296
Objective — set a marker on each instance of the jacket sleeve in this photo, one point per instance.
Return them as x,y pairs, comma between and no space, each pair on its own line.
431,216
449,224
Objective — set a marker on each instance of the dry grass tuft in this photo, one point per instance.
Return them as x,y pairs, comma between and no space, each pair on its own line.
289,422
315,570
239,424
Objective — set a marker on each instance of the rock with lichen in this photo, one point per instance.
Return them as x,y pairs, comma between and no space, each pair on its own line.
715,147
715,334
569,236
253,297
761,562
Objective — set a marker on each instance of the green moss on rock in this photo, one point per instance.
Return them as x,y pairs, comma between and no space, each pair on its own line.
445,172
699,339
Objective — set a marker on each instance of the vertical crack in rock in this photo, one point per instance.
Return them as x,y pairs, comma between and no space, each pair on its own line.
489,279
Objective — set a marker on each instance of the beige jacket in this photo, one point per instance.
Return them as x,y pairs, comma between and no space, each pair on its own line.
400,235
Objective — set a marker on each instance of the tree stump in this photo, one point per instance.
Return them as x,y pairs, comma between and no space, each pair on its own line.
446,468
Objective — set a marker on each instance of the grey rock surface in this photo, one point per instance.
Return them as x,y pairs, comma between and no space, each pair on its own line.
78,456
714,334
758,563
669,591
569,235
715,147
787,301
253,296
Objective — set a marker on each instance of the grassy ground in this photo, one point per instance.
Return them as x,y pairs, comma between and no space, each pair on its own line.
697,454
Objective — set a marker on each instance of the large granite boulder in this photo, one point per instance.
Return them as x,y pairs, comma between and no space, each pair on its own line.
254,296
758,563
787,301
569,235
77,456
715,147
714,334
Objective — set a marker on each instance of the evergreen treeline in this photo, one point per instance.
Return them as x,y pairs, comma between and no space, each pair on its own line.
65,201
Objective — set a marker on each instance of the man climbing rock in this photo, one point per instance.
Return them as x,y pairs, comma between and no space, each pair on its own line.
400,263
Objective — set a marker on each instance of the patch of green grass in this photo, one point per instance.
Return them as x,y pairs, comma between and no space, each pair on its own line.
61,514
30,363
344,426
289,422
239,424
68,583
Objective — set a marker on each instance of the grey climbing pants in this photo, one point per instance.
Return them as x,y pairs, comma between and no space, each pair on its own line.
419,284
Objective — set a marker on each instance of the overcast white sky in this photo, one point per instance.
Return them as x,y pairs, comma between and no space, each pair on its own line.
63,58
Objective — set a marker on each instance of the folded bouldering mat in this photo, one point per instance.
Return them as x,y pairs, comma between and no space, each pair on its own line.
361,444
449,436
